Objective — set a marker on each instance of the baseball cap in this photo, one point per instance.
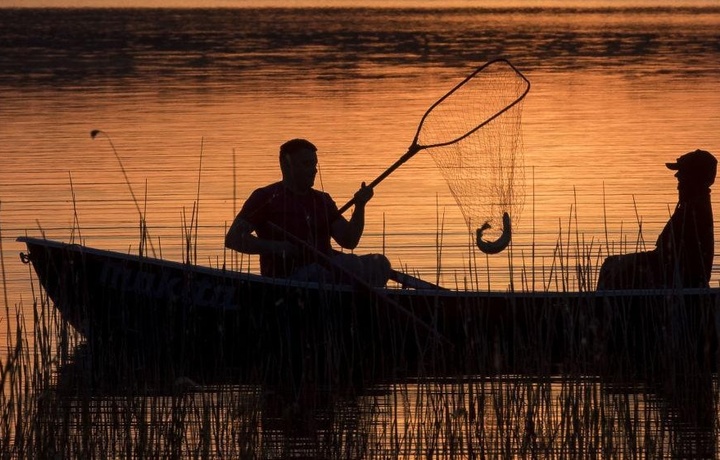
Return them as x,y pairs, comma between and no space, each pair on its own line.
699,164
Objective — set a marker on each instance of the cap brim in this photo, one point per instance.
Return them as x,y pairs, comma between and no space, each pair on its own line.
673,166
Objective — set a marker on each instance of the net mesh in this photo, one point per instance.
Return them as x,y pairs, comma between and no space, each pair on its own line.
474,137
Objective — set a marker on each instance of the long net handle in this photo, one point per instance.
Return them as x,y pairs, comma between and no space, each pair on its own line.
415,147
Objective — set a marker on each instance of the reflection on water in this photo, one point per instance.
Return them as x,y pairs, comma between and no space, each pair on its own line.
498,417
637,400
198,101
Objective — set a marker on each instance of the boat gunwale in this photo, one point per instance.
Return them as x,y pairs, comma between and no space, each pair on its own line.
440,293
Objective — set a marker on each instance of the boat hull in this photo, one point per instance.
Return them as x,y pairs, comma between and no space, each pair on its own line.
165,320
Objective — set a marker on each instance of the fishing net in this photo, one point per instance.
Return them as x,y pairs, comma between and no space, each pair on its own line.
474,136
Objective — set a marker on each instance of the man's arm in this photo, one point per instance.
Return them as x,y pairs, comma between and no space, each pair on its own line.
240,237
347,233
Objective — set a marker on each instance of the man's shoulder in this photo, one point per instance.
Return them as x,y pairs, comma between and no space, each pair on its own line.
261,197
268,190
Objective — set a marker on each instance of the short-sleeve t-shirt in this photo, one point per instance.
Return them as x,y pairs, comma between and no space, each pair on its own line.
308,217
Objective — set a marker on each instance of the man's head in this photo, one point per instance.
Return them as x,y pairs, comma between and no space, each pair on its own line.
298,163
697,168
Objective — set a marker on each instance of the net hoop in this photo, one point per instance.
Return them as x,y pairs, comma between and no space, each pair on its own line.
416,146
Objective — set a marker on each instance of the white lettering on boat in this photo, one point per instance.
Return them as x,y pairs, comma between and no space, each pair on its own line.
167,286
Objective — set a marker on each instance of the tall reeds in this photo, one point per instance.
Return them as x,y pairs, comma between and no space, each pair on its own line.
618,376
53,406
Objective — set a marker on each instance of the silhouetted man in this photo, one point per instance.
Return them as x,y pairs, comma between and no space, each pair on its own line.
290,225
684,251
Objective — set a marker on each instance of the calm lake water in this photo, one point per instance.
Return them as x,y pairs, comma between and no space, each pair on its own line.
197,102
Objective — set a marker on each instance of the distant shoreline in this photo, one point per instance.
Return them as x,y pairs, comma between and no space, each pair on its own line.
493,5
